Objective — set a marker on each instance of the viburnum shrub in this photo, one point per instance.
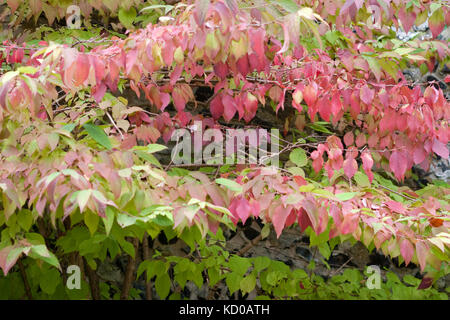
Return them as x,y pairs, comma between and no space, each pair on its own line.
79,180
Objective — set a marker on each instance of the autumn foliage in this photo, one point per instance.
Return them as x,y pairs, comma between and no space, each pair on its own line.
73,150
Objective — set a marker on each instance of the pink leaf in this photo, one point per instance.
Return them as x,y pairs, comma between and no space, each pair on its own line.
407,250
178,99
348,139
350,167
8,258
396,206
324,108
422,253
407,18
440,149
367,94
310,95
367,164
229,105
398,164
279,218
200,11
216,107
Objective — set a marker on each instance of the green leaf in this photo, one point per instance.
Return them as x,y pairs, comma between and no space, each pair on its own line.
152,148
361,179
239,265
261,263
324,249
346,195
248,283
41,252
109,219
162,285
296,171
49,280
91,220
233,281
69,127
25,219
298,156
127,17
96,133
148,157
230,184
265,231
27,69
288,5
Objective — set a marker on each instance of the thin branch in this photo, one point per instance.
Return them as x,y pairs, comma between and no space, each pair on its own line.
129,273
94,282
25,280
114,124
146,256
250,245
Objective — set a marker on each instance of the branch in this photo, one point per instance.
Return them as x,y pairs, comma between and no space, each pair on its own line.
25,280
129,273
146,256
93,281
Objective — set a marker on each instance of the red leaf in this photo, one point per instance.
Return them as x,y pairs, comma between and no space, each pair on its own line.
257,36
251,105
360,140
279,217
419,154
407,18
243,65
348,139
435,222
425,283
367,164
303,220
221,70
422,253
310,206
240,208
229,106
398,164
178,99
324,108
407,250
310,95
367,94
436,22
396,206
350,167
336,104
216,107
440,149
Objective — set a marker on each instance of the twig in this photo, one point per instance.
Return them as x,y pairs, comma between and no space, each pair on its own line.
114,124
146,256
341,267
396,192
93,281
249,245
25,280
129,273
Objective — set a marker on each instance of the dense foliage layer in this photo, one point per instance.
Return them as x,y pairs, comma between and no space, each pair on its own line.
74,153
